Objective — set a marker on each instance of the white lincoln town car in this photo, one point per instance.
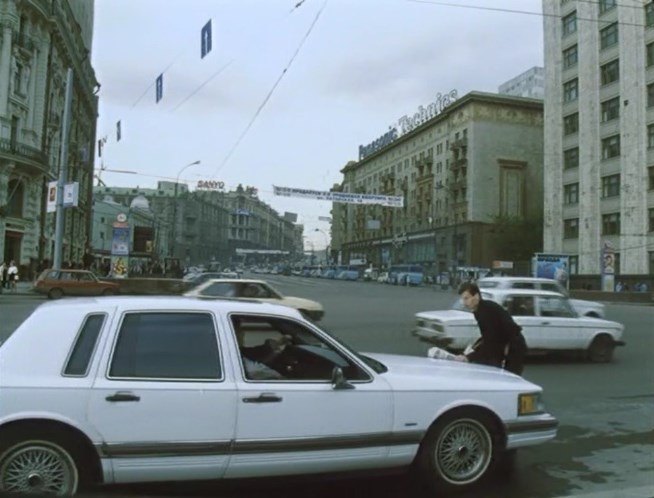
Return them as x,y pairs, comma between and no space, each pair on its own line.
136,389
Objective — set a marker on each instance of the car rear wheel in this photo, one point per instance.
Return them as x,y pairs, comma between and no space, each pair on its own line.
458,450
55,293
35,465
601,349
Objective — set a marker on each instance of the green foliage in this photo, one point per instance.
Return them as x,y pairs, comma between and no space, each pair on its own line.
517,239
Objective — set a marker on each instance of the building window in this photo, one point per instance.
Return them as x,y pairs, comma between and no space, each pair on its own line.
571,228
571,193
610,186
651,220
650,54
605,5
571,158
571,124
570,57
651,262
609,36
570,90
569,23
573,265
611,224
611,109
650,136
649,14
610,72
650,175
611,147
650,93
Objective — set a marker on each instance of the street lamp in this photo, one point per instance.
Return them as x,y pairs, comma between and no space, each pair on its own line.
327,258
175,206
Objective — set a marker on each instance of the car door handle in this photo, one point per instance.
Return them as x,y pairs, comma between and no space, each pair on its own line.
263,398
544,323
123,396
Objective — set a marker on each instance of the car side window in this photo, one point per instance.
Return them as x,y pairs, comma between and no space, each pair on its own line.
523,285
178,346
53,275
220,289
292,351
82,352
555,306
520,305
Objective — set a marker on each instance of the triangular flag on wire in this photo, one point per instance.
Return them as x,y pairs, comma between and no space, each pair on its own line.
159,87
118,131
205,39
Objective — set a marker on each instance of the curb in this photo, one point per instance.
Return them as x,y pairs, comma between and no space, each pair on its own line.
639,492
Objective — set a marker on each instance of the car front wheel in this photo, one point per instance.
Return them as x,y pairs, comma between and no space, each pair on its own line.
55,293
601,349
458,451
37,466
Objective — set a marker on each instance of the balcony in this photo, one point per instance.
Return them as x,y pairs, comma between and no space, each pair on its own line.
457,144
459,162
24,42
458,183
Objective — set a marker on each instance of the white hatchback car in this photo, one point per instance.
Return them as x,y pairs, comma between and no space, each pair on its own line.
581,306
135,389
548,321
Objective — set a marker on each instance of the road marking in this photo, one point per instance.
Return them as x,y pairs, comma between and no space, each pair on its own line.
639,492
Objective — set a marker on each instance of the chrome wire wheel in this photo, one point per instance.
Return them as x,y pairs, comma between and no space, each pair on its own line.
38,467
463,451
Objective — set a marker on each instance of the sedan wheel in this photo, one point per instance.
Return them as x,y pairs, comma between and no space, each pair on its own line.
55,293
38,467
601,349
457,452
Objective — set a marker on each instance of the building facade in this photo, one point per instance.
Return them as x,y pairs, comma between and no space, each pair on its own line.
480,159
39,41
205,225
530,84
599,133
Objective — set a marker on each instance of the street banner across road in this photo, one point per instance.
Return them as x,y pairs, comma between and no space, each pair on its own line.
344,197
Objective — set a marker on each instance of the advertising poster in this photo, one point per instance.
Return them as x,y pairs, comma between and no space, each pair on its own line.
119,266
51,206
607,264
554,266
120,241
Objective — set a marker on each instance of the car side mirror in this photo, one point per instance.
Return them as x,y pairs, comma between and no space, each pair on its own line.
339,381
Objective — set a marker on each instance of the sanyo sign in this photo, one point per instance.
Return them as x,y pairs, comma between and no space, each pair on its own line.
407,123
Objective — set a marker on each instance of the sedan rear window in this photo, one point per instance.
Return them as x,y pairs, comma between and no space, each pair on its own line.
487,285
180,346
80,357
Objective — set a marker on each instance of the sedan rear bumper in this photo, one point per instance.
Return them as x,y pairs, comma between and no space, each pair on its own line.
528,431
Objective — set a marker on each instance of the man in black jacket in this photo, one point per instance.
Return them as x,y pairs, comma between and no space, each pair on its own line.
502,344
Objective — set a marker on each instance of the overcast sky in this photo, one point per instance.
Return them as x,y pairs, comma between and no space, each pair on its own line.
365,64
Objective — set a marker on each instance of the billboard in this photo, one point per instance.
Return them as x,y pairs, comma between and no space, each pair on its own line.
607,265
52,197
555,266
120,240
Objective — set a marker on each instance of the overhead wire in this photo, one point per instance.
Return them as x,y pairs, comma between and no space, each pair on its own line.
270,93
523,12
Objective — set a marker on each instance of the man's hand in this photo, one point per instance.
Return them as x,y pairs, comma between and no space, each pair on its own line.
461,357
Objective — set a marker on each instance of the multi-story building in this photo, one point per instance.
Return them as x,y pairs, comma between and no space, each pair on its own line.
40,40
254,225
207,225
530,84
599,133
478,160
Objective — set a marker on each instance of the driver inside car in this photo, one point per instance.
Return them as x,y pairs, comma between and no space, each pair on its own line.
255,357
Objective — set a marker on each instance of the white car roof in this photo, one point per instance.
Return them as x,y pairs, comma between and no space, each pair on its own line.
516,279
173,303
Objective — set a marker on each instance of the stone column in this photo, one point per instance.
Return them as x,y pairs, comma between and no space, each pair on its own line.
5,69
5,171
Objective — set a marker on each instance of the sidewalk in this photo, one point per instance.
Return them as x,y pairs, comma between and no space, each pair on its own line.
22,289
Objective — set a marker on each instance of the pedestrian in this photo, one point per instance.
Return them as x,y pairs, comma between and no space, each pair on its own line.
12,275
502,343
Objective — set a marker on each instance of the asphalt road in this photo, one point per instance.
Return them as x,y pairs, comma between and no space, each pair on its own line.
606,411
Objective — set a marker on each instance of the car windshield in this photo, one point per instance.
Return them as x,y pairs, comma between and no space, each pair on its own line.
487,284
377,366
458,306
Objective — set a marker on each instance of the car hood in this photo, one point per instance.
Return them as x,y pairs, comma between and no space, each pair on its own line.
450,316
300,303
422,373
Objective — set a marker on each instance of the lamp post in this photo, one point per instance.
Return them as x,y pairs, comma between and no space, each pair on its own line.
327,258
173,245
